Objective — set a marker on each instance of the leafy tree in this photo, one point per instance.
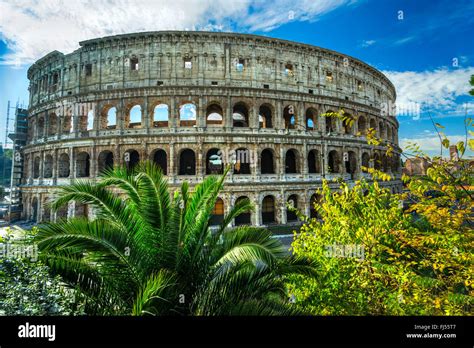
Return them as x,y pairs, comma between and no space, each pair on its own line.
149,252
27,288
415,261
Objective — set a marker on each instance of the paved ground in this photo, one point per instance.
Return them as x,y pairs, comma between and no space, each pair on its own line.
286,239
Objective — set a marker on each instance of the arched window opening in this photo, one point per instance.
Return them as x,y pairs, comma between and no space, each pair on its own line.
34,208
48,166
290,214
268,210
106,161
160,116
132,158
377,162
40,127
242,161
265,117
314,162
217,216
109,118
66,125
389,133
311,116
382,134
289,116
366,160
187,115
90,120
134,64
244,218
334,162
362,125
267,165
36,168
314,201
63,166
53,124
135,117
240,115
187,162
351,163
214,164
83,165
160,158
330,122
214,115
291,162
373,124
348,123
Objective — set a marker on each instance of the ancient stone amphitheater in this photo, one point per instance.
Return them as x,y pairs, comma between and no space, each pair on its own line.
196,101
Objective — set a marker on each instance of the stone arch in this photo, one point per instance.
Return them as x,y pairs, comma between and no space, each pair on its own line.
48,167
351,164
389,133
244,218
82,165
40,127
90,120
135,116
217,216
160,158
377,161
240,115
267,162
187,162
315,199
311,119
160,115
64,165
330,122
314,162
373,124
366,160
214,164
265,116
52,124
289,115
291,215
66,124
34,209
334,162
214,115
242,161
348,123
187,114
382,134
132,158
36,167
362,125
291,162
268,210
108,117
105,161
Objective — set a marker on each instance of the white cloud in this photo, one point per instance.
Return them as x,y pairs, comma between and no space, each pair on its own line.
432,90
430,143
367,43
33,28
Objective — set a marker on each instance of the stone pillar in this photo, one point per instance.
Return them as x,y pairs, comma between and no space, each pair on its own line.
201,114
281,206
228,122
172,167
257,215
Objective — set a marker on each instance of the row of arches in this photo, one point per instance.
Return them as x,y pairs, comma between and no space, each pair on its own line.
270,208
244,162
214,117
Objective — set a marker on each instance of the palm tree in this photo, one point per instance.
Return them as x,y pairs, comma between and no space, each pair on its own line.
149,252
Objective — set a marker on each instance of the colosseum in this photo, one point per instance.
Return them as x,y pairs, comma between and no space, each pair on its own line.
193,102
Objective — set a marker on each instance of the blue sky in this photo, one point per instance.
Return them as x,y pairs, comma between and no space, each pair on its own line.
425,47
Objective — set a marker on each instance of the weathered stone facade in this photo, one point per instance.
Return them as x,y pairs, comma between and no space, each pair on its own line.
179,97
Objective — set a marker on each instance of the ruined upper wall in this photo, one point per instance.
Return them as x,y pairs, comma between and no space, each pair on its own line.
160,59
